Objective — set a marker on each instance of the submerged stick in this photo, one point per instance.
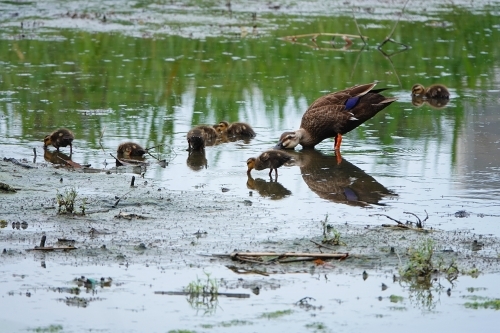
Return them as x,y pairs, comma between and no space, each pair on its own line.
42,241
235,255
185,293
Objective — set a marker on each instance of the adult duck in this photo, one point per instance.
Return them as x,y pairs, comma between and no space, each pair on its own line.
437,91
336,114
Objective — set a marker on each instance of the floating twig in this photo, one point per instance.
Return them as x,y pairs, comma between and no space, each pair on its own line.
321,245
389,37
119,198
241,270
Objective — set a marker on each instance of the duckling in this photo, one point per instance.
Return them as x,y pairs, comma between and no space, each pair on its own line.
271,159
336,114
128,149
61,137
235,129
438,91
201,136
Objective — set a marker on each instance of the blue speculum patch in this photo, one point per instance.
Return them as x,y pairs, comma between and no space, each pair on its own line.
351,103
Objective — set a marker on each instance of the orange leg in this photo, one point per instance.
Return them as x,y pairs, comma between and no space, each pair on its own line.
338,141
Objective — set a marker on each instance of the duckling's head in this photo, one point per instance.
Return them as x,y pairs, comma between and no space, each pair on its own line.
196,142
418,90
47,141
288,140
222,127
251,164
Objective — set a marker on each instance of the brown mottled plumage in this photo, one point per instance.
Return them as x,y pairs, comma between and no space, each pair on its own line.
335,114
201,136
235,129
128,149
437,91
271,159
60,138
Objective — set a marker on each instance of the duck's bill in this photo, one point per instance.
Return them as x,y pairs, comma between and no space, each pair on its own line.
279,145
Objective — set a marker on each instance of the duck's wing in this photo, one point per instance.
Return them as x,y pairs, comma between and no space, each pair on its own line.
346,98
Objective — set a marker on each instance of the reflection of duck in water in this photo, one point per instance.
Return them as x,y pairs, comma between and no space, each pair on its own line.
271,189
56,157
435,103
336,114
340,182
201,136
196,160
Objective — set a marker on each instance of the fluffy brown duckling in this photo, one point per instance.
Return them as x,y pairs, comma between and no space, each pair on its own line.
128,149
336,114
271,159
235,129
61,137
437,91
201,136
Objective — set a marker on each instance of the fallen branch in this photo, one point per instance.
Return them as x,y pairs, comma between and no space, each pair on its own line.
13,160
7,188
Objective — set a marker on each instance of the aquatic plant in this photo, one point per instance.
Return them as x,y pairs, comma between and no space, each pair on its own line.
66,202
330,234
203,293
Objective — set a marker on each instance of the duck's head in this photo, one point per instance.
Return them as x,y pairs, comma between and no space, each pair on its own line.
250,164
222,127
288,140
417,90
47,141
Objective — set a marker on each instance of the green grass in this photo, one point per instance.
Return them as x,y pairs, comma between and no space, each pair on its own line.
490,304
276,314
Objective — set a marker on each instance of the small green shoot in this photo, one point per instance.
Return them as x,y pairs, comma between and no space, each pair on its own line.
203,293
66,202
330,234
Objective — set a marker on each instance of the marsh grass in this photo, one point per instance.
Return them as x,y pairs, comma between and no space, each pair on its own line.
66,202
203,293
330,234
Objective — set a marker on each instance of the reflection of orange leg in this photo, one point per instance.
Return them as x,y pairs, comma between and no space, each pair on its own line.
338,156
338,141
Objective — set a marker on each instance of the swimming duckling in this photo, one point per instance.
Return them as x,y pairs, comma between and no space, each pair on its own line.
201,136
128,149
437,91
336,114
235,129
60,138
271,159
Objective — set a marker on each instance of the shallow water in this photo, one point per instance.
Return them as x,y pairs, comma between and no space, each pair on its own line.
149,78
